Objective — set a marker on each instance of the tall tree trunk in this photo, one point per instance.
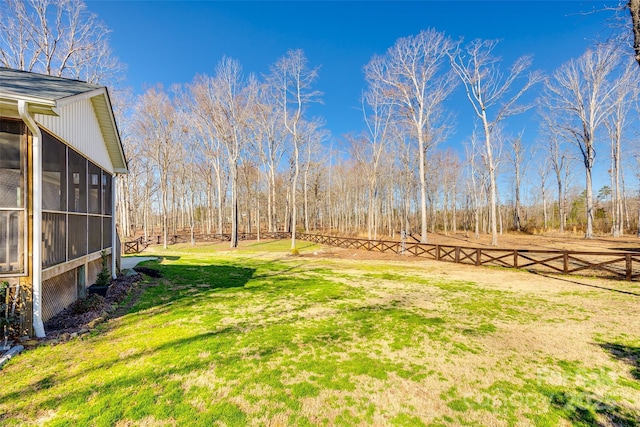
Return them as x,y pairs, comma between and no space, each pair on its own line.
560,203
618,196
492,182
634,9
271,200
165,221
589,188
306,200
423,189
454,225
234,206
220,203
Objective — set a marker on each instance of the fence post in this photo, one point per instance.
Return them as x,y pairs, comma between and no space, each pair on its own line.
437,252
628,265
478,256
457,260
515,258
566,262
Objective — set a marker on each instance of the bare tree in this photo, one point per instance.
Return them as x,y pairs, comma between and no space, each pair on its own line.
233,101
488,91
292,79
474,181
201,104
450,174
634,11
581,93
313,136
558,159
544,169
156,127
517,161
616,124
412,76
269,142
59,38
369,149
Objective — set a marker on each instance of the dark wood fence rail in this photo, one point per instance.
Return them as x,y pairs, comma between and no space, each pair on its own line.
610,264
139,244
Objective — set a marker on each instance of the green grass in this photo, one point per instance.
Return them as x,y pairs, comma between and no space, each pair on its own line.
255,336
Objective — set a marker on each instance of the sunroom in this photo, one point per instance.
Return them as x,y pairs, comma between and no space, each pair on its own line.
60,154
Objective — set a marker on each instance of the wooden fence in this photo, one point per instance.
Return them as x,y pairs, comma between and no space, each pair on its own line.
140,244
610,264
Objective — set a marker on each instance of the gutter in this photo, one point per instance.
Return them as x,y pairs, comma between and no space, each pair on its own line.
114,236
36,245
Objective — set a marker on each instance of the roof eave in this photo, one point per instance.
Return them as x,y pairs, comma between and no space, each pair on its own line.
36,105
104,113
106,120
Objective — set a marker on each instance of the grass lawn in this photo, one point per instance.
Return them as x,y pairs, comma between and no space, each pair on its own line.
257,337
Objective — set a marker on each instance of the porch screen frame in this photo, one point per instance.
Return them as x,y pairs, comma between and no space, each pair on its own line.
10,126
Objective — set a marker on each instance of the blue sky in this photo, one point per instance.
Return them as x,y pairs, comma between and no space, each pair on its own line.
171,41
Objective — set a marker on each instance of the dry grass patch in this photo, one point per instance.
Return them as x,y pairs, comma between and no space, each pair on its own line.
260,338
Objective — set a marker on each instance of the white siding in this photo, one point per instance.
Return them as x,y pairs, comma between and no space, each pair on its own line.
78,126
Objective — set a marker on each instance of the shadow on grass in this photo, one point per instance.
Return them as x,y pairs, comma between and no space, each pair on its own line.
564,279
114,390
629,355
586,410
188,281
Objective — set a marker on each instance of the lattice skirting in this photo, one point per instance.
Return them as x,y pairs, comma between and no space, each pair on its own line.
58,293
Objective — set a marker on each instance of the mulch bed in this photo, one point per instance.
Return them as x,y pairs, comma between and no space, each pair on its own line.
86,313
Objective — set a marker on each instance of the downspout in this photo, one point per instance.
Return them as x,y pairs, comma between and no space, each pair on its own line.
36,245
114,237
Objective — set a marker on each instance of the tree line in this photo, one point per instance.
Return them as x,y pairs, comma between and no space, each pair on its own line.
230,152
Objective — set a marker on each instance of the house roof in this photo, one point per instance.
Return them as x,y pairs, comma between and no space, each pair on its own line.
26,84
46,93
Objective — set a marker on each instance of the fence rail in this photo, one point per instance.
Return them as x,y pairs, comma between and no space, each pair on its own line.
610,264
141,243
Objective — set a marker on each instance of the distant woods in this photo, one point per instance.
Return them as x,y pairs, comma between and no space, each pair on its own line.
234,152
231,152
226,153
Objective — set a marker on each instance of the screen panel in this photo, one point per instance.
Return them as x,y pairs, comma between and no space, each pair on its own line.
77,236
95,233
12,170
54,174
77,182
95,189
106,232
54,238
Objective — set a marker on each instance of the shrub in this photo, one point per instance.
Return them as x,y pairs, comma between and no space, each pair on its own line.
104,277
7,318
84,305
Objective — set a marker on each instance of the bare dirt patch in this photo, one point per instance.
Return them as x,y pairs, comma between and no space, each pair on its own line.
546,241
